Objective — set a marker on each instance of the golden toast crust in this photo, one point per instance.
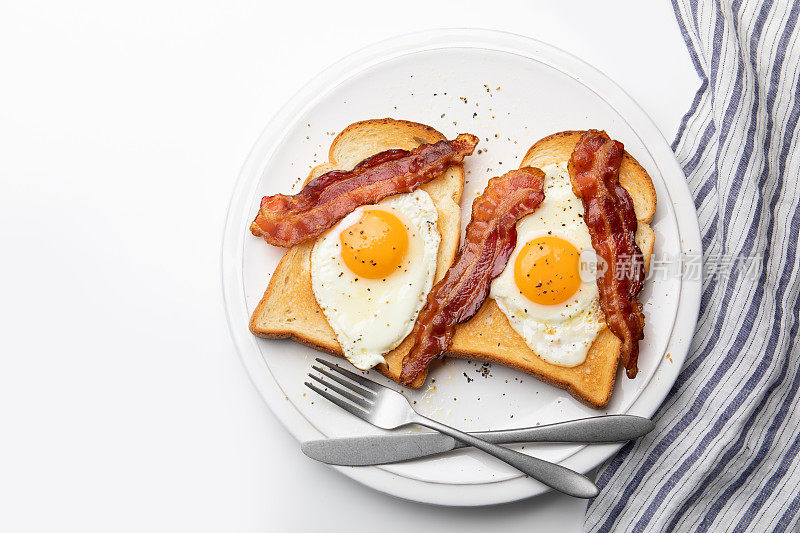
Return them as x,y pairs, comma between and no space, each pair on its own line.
488,336
289,309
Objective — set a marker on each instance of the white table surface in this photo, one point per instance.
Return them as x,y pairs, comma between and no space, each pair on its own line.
123,406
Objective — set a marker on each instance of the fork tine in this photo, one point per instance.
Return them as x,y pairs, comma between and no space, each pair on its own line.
347,394
352,409
352,386
368,383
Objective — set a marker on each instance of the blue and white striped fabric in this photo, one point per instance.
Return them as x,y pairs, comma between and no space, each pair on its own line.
724,456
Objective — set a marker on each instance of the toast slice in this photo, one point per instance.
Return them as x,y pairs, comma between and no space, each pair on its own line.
289,309
488,335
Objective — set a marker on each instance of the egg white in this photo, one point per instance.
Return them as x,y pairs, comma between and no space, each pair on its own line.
371,317
560,334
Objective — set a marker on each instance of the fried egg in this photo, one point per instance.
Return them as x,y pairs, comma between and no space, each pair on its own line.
548,289
372,272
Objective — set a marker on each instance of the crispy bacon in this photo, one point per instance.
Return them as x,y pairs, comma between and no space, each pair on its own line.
608,212
287,220
490,239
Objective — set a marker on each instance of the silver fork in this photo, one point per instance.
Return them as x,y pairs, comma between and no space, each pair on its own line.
388,409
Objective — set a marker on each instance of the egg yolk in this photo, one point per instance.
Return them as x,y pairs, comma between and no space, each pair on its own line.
547,270
374,246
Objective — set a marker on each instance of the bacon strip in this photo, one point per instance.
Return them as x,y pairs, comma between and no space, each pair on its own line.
608,212
490,239
287,220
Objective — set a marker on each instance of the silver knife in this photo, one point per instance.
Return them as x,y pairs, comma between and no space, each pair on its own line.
384,449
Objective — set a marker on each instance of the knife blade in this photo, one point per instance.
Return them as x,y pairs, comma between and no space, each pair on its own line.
393,448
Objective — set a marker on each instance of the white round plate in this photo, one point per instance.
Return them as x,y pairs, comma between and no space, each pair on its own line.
510,91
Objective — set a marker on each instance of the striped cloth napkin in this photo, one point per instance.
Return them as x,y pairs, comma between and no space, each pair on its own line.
724,456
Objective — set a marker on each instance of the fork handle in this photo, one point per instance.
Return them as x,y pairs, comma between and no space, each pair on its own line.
555,476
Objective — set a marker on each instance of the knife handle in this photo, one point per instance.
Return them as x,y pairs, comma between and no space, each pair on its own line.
598,429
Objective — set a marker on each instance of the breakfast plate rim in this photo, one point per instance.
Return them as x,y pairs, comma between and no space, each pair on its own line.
513,489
